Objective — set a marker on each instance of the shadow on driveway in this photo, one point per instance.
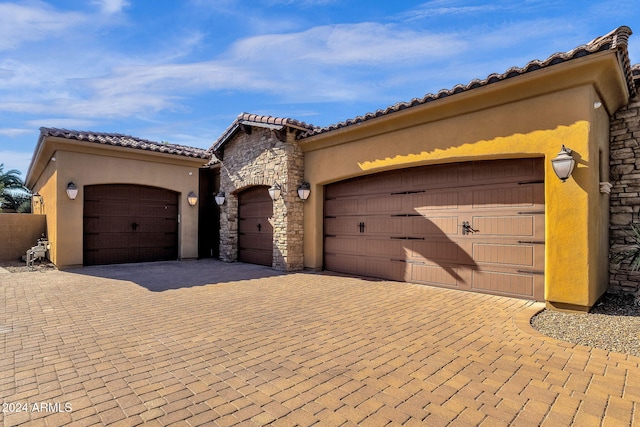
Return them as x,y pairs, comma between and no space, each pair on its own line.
165,275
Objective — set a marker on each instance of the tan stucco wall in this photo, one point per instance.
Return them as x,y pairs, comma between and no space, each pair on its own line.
529,117
18,233
92,166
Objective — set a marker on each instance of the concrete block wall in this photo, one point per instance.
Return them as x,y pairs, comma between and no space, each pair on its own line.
18,233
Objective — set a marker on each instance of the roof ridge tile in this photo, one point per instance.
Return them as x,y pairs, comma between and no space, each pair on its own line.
121,140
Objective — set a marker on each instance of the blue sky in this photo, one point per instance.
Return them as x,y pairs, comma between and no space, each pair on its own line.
181,71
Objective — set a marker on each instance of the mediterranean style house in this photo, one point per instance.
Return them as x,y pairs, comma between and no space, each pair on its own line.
518,185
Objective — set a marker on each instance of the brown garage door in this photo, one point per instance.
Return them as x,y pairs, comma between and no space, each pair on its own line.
475,226
255,232
129,223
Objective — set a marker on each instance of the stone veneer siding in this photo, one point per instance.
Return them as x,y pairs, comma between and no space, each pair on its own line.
625,193
260,158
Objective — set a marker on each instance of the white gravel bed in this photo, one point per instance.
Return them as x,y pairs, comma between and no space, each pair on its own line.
613,324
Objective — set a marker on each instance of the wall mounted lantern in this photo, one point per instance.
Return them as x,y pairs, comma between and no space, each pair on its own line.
563,163
72,191
274,191
192,198
304,190
220,198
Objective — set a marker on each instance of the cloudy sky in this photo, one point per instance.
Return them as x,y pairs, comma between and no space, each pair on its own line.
181,71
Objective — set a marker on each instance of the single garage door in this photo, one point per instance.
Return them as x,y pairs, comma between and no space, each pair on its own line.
129,223
255,230
475,226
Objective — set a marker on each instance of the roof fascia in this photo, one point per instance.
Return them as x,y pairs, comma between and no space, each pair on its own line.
48,145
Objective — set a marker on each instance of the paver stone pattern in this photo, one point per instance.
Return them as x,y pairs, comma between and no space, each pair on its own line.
208,343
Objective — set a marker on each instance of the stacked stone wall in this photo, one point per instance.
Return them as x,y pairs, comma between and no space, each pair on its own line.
625,193
260,158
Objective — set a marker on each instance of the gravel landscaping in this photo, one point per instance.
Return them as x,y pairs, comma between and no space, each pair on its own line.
21,266
613,324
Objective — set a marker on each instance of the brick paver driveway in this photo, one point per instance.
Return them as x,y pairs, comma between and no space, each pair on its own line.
206,343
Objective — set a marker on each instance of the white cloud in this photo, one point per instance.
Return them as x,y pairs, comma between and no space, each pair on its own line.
77,124
111,6
438,8
16,160
349,44
32,21
14,132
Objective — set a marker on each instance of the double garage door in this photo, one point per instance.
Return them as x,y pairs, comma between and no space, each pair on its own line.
129,223
475,226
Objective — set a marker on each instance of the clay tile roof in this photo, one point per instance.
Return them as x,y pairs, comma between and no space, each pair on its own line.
258,120
119,140
616,40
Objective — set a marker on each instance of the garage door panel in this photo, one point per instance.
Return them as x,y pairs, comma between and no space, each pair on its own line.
255,225
344,245
122,221
380,185
255,231
434,251
348,225
110,256
102,224
383,225
520,197
446,275
104,208
383,204
505,225
435,176
430,225
254,210
341,207
508,255
343,263
255,241
502,170
427,202
157,211
503,283
385,268
111,240
163,240
387,248
254,256
501,201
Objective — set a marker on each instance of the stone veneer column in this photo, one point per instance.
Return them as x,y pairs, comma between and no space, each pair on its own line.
259,158
625,193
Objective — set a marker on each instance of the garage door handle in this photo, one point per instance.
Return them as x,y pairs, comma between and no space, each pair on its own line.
361,225
467,229
134,226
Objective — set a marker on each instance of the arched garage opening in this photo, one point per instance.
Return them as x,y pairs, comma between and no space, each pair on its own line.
255,228
125,223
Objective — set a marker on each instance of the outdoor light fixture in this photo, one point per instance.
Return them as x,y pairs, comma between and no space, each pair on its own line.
192,198
563,164
274,191
72,191
220,198
304,190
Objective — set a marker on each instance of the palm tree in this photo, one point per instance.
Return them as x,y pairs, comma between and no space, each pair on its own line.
13,194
